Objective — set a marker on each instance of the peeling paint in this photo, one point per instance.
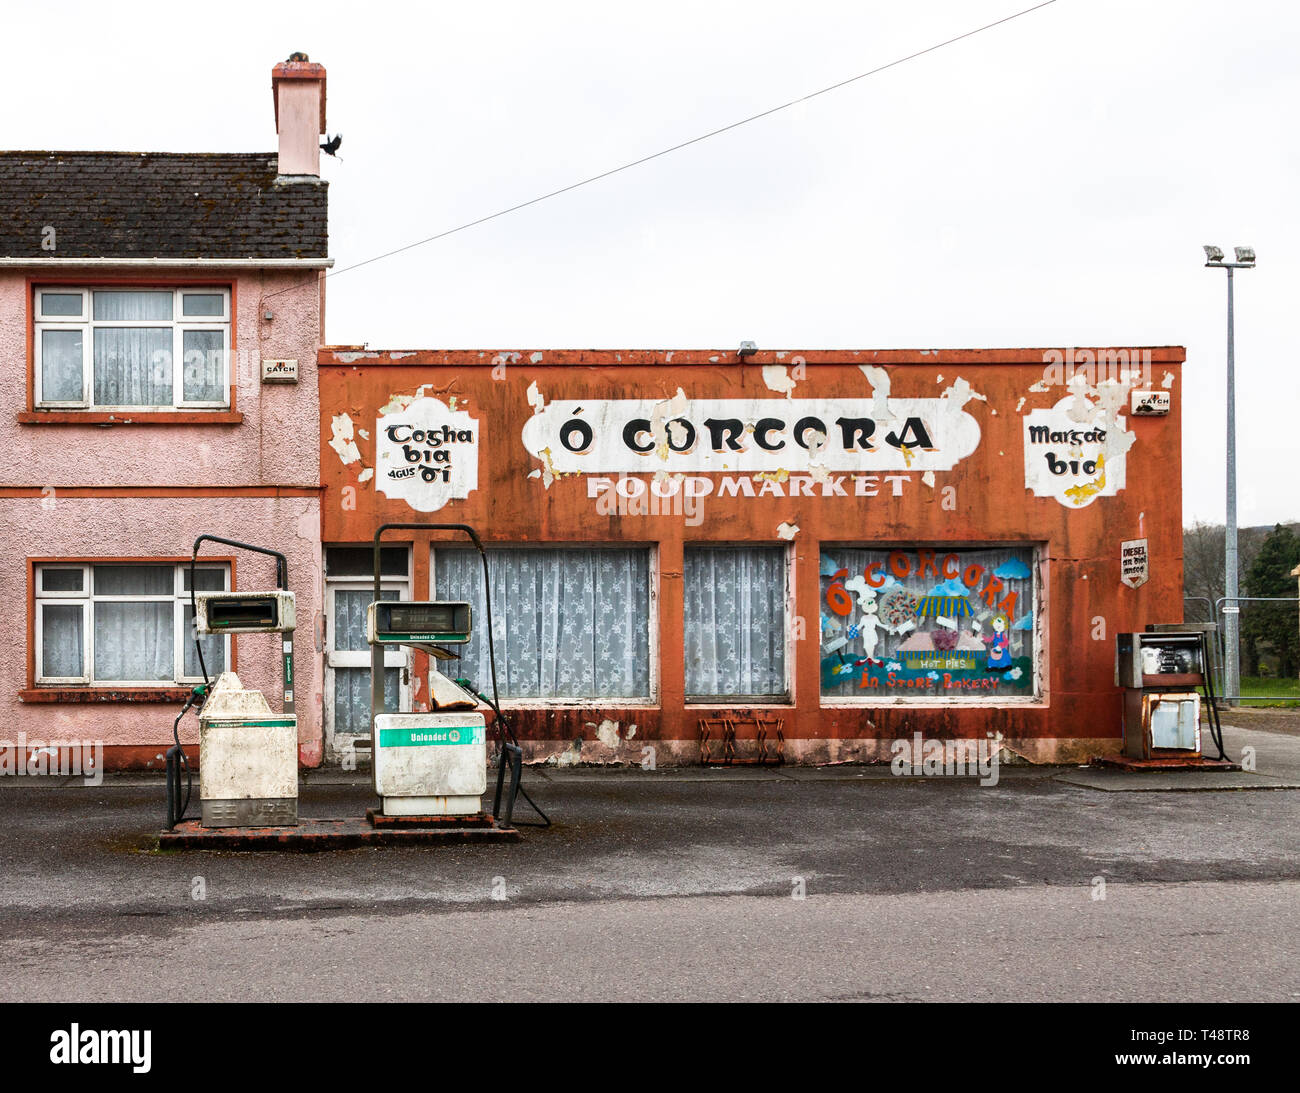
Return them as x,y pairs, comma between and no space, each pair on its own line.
536,358
366,475
571,756
1168,381
787,531
341,441
960,393
879,380
549,473
777,378
535,398
607,733
662,415
928,479
1020,405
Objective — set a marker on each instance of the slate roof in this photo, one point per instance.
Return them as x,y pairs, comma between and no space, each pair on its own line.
158,205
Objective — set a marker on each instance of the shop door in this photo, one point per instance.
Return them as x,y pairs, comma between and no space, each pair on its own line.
347,661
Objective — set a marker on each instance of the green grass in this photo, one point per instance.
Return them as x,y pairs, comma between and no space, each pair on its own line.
1265,685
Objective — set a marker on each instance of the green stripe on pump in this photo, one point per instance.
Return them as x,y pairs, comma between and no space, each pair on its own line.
431,736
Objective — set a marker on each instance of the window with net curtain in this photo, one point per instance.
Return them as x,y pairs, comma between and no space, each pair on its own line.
735,640
569,623
132,347
123,623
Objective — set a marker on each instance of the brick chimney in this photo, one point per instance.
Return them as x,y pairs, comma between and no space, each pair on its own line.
298,87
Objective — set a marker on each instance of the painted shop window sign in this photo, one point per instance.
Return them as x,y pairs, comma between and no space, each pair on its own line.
570,622
123,625
131,349
735,631
928,623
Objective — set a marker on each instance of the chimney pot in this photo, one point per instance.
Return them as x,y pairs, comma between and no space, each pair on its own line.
298,88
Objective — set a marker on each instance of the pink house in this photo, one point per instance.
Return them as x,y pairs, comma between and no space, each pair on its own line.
159,320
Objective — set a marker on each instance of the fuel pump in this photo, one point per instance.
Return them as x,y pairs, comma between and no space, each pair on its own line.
249,771
1160,673
432,767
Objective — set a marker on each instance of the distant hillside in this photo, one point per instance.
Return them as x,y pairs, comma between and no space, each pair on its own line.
1203,561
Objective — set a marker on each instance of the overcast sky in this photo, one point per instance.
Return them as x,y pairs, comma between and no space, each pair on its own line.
1048,182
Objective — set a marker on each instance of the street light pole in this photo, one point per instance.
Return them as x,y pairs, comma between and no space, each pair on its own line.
1231,607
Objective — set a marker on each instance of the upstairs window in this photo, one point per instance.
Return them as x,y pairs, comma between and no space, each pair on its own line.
132,348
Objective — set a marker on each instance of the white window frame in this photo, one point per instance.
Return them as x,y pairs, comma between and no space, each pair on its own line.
86,600
87,324
394,656
650,701
785,699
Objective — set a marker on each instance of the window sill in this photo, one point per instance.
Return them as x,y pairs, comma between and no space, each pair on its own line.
126,417
77,695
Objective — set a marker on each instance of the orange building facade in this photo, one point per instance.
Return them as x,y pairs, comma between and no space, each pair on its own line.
835,549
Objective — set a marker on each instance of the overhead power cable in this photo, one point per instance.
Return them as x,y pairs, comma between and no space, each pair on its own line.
684,144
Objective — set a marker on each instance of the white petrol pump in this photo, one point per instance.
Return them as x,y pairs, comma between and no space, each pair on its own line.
248,776
434,765
427,764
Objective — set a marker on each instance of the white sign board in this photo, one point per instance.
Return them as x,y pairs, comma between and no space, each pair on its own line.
426,454
1072,456
1133,563
750,435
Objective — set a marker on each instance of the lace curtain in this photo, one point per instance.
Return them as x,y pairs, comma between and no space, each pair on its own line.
134,640
352,697
61,365
568,623
735,620
133,365
62,640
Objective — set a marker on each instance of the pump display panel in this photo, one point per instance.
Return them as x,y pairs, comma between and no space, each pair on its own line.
245,612
405,622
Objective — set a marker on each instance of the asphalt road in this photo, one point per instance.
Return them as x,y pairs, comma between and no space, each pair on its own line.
679,885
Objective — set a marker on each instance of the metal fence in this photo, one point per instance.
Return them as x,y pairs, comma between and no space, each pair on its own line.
1215,610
